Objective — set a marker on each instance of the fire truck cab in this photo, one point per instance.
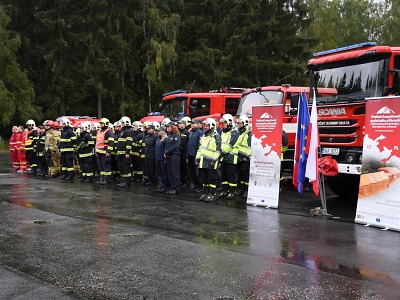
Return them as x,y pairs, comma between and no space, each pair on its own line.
212,104
286,95
356,72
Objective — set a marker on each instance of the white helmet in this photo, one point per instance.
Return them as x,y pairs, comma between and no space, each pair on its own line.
243,119
78,131
31,123
111,126
83,126
88,125
157,125
211,122
119,123
126,121
95,126
146,123
186,121
228,118
138,124
65,121
165,121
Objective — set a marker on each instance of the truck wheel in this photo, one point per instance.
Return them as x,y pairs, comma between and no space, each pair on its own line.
345,186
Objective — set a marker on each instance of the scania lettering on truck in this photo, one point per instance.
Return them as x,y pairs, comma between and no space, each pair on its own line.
356,72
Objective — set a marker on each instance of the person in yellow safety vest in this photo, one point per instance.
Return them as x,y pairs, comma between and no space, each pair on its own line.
207,158
104,146
67,147
31,137
51,147
243,146
229,157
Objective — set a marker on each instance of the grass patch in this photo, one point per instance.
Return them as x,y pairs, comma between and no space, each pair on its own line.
4,145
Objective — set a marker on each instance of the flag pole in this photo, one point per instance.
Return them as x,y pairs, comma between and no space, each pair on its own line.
322,191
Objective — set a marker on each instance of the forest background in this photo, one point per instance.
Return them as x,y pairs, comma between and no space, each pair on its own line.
109,58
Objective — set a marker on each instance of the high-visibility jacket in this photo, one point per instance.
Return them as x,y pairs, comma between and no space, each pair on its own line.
13,141
86,145
209,151
104,141
137,141
31,136
67,140
40,144
125,138
229,153
243,143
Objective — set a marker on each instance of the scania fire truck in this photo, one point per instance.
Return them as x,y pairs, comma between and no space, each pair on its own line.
212,104
286,95
356,72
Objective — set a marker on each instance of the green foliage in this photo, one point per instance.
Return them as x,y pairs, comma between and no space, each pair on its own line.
16,91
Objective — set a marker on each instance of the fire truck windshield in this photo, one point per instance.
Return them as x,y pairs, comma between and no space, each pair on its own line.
258,98
174,108
353,82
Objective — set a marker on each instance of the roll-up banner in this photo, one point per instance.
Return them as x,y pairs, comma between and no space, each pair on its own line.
378,197
265,163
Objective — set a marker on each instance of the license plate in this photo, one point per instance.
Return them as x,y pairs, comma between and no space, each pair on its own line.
330,151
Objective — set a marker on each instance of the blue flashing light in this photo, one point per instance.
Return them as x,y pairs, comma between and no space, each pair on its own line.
342,49
175,92
154,113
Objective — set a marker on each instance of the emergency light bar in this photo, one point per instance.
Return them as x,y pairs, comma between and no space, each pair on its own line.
175,92
351,47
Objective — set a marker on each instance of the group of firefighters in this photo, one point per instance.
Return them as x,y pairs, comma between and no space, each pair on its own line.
165,157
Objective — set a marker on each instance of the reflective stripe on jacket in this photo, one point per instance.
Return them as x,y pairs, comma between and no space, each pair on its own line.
209,150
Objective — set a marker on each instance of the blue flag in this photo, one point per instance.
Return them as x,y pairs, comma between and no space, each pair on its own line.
303,123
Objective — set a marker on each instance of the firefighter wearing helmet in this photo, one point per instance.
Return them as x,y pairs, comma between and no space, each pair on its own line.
184,124
207,159
40,151
85,152
229,157
104,146
51,148
30,141
67,145
243,145
124,148
137,151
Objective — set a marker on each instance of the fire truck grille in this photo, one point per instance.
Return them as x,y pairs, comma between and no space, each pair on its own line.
337,140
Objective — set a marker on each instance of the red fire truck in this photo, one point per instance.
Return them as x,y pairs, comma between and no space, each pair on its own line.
356,72
76,120
214,104
288,96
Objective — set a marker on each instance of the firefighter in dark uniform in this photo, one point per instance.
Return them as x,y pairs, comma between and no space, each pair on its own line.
104,146
31,137
243,146
67,146
173,157
207,159
184,124
86,152
137,151
94,129
40,151
124,149
193,145
229,157
150,156
117,126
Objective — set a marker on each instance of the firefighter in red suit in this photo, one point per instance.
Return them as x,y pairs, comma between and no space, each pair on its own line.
21,149
13,148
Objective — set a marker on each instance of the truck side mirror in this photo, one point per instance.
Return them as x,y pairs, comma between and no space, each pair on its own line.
294,101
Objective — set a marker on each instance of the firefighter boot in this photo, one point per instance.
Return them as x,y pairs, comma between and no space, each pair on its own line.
212,196
231,193
224,192
101,178
204,196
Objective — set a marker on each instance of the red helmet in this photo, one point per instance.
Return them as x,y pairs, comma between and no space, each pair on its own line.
56,125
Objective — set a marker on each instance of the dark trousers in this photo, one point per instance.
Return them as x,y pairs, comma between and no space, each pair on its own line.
150,167
228,175
193,173
67,164
207,177
243,170
137,167
125,169
174,171
184,170
104,163
162,175
31,158
86,164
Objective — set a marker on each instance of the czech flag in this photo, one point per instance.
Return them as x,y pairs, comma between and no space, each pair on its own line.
300,158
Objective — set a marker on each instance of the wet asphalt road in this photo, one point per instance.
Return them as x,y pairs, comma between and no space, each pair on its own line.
63,240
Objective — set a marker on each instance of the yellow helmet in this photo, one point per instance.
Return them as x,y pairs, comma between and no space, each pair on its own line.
105,121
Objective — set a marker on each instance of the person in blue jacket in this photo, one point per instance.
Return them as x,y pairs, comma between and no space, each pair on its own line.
172,155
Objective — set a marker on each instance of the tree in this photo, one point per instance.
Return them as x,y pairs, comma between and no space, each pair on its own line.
16,91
